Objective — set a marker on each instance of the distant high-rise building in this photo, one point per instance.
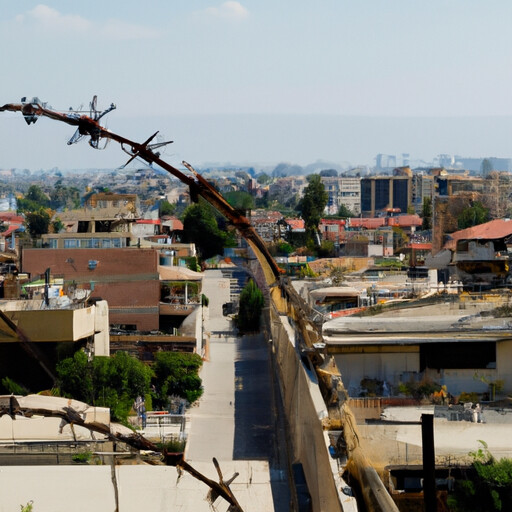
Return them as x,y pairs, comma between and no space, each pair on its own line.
475,164
379,193
385,161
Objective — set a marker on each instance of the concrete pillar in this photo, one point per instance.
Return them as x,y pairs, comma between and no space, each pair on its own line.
101,329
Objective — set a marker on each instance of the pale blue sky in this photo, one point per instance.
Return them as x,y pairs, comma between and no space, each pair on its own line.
176,62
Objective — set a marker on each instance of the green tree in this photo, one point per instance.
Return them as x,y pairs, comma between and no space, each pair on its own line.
329,173
63,197
345,212
326,249
201,227
57,225
240,200
166,208
176,373
74,377
263,178
426,213
473,215
312,205
38,222
251,304
113,382
34,200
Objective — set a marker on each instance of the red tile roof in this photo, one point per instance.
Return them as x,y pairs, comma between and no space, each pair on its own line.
368,223
499,228
296,224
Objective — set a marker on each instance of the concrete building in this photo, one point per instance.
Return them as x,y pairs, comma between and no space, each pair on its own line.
127,279
379,193
447,343
342,191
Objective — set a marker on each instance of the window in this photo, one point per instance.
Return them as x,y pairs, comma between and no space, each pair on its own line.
461,355
71,243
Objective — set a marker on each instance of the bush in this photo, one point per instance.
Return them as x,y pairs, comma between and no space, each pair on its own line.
249,312
113,382
176,373
487,484
82,457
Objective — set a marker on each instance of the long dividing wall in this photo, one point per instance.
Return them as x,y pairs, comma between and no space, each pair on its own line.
304,410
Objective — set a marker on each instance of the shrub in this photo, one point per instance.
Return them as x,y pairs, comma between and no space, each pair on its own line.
249,312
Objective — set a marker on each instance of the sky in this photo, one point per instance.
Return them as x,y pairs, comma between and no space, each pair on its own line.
260,81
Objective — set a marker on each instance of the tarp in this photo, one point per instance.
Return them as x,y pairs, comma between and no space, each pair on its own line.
173,273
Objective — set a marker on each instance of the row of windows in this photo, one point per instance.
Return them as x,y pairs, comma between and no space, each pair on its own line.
88,243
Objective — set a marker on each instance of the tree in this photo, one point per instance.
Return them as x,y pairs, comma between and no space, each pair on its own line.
166,208
176,373
200,227
57,225
240,200
345,212
426,213
251,304
34,200
38,222
329,173
113,382
326,249
312,205
63,197
263,178
473,215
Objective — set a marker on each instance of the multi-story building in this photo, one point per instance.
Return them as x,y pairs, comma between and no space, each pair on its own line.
285,189
423,187
380,193
342,191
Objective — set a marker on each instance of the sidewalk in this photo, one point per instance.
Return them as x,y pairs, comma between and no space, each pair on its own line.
233,421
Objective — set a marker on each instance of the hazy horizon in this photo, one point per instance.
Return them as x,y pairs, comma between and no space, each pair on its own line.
261,140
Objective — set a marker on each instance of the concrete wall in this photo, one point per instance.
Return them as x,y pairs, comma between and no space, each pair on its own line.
86,488
304,409
102,330
504,364
389,367
383,366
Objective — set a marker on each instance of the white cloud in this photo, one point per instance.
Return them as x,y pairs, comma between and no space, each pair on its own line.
51,20
229,10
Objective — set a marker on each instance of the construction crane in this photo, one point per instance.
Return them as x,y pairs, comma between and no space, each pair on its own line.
88,125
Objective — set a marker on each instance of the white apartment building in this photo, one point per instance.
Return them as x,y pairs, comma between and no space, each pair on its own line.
342,190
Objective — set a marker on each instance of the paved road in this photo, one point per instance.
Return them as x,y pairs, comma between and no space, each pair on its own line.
234,420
